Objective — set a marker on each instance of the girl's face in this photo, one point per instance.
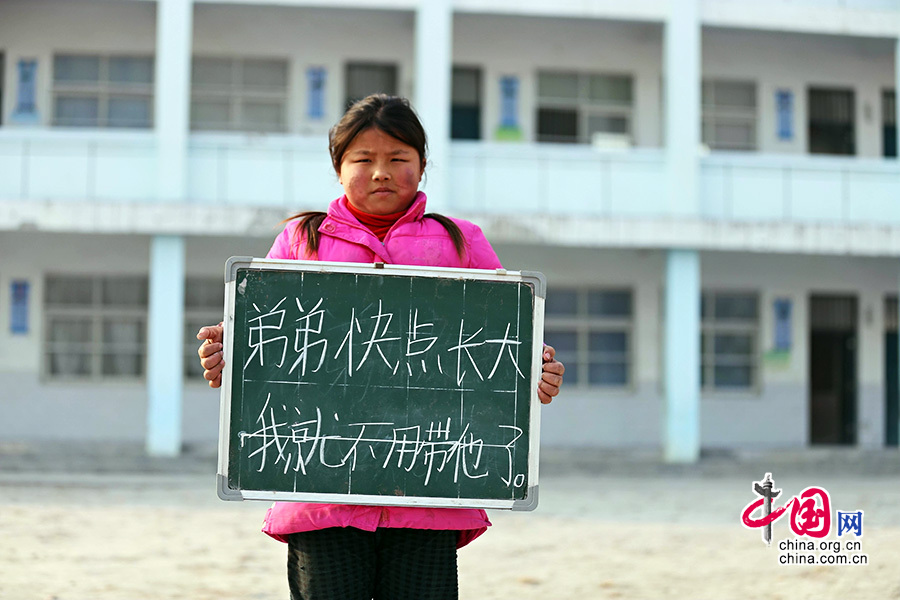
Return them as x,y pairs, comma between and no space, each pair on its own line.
380,174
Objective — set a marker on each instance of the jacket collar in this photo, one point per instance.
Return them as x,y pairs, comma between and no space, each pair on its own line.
340,223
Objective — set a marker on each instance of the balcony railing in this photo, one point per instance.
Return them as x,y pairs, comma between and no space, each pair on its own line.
295,173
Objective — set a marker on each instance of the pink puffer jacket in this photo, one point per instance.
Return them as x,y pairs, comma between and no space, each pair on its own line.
413,240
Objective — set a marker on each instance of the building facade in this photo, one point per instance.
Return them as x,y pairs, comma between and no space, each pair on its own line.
711,188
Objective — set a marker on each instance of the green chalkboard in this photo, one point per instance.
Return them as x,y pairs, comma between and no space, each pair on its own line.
380,384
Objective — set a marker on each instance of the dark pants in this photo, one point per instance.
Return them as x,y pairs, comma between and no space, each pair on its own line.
344,563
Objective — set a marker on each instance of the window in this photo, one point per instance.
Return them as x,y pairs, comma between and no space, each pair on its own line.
232,94
889,120
831,122
102,91
729,114
370,78
465,108
204,301
728,341
591,332
579,107
95,327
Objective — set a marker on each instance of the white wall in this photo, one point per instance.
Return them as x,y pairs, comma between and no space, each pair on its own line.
499,44
774,415
797,62
36,30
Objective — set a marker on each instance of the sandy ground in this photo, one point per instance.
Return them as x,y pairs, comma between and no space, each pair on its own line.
651,534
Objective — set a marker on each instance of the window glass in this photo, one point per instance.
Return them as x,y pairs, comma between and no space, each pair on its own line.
128,364
728,342
611,374
364,79
610,88
270,74
263,116
138,70
69,364
729,114
69,333
574,107
562,341
203,300
561,302
608,341
732,343
210,114
204,294
129,111
735,94
95,326
607,124
122,334
124,291
735,307
69,290
102,91
558,85
733,376
557,125
76,69
465,86
591,331
77,111
239,94
211,72
735,135
609,303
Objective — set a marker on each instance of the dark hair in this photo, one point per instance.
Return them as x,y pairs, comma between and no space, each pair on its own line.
390,114
394,116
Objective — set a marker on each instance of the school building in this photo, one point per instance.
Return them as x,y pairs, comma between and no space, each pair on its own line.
711,188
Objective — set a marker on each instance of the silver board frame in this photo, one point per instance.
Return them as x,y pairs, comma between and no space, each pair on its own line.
539,284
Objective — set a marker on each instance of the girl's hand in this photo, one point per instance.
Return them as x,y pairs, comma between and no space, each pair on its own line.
552,376
212,357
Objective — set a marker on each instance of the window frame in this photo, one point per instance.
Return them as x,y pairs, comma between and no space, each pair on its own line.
583,106
205,315
583,324
477,105
710,327
714,115
236,94
888,120
97,313
851,127
102,89
387,65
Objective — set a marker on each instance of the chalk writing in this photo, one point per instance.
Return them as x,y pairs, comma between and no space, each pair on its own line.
373,334
293,442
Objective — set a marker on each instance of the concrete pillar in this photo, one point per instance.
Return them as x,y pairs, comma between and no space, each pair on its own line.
434,65
682,356
165,346
682,110
174,30
682,304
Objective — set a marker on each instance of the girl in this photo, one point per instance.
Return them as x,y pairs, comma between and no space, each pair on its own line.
363,552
